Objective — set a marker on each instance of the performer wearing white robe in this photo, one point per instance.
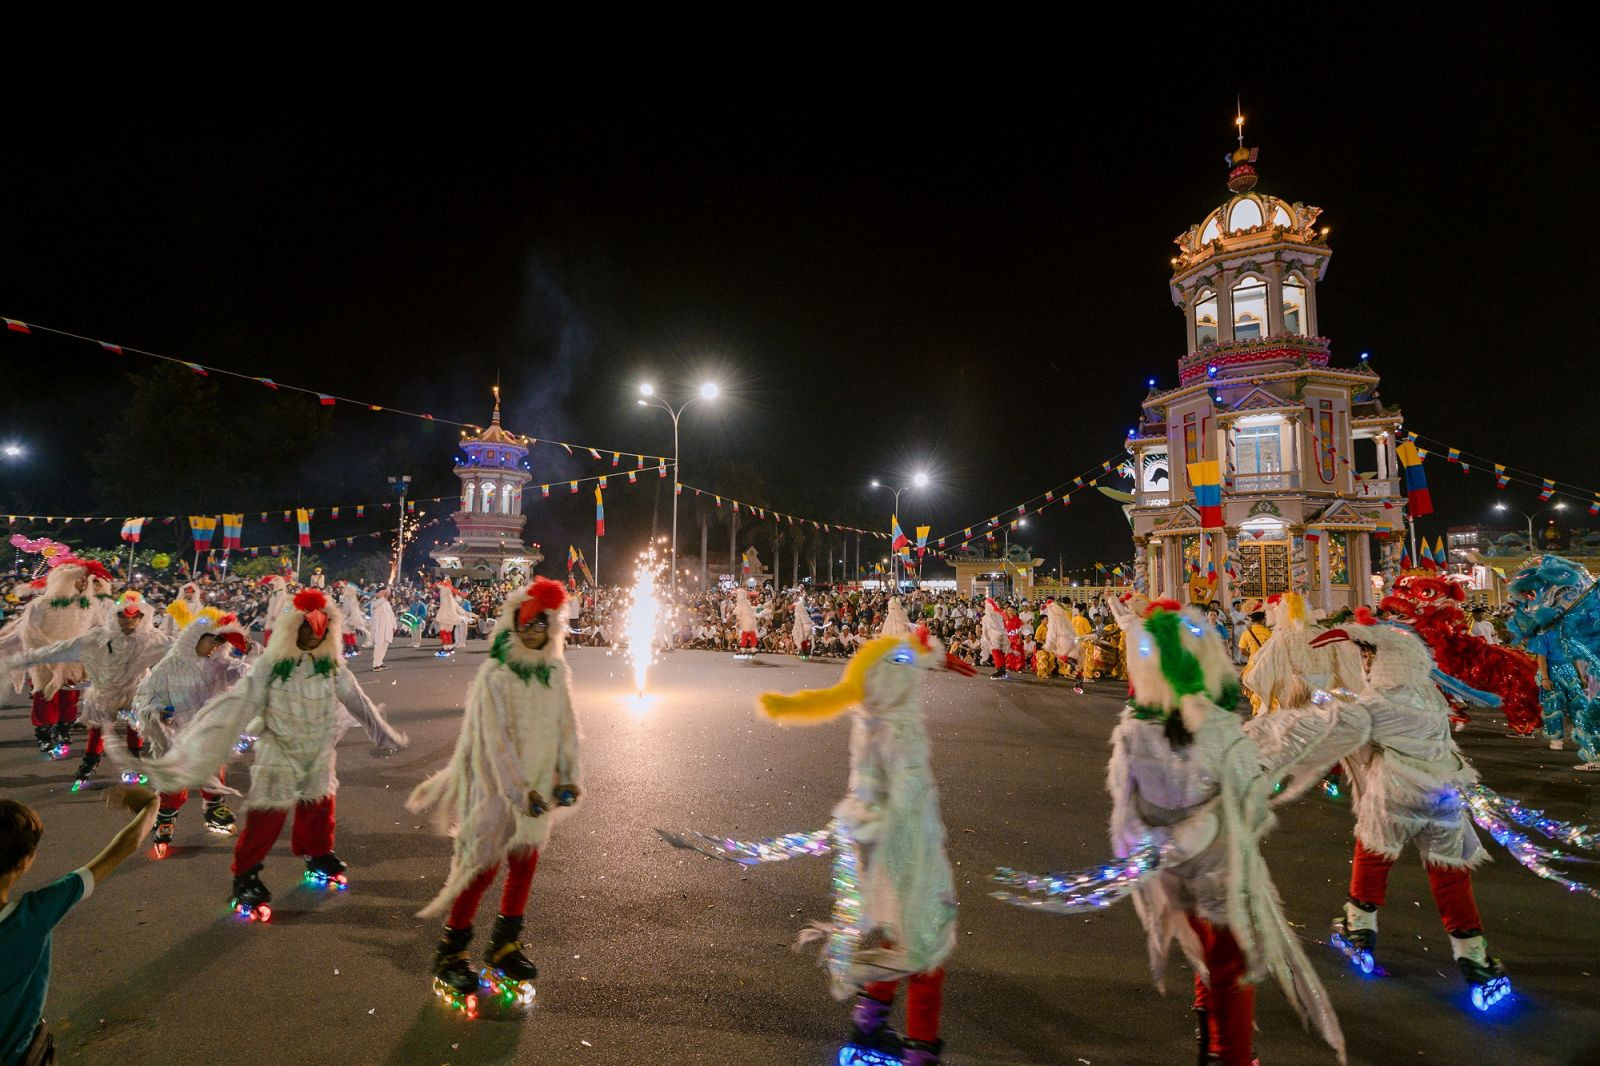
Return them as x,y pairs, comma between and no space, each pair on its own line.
895,622
383,627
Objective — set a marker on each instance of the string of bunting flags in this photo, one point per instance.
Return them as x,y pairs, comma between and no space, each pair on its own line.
780,516
1504,474
1058,495
233,524
326,399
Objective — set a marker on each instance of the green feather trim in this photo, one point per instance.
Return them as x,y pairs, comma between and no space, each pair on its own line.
282,669
70,601
1181,669
323,667
500,652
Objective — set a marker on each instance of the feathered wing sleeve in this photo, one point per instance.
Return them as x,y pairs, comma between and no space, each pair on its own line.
1299,745
62,651
208,740
367,713
567,745
1126,825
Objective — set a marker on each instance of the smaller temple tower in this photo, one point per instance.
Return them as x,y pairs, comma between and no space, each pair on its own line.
493,468
1310,484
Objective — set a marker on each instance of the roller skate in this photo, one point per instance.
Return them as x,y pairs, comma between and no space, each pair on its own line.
1483,971
250,899
454,979
326,871
219,819
921,1052
872,1042
509,974
45,737
1356,934
134,777
85,770
161,835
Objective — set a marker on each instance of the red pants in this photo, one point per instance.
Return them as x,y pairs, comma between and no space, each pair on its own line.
1230,1007
60,709
747,639
997,659
172,801
96,744
1451,887
924,1000
447,637
513,897
349,642
312,836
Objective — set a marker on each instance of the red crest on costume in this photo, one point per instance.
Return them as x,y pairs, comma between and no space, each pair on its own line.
312,602
543,595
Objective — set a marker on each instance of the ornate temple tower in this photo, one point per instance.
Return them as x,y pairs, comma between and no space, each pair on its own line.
493,468
1310,481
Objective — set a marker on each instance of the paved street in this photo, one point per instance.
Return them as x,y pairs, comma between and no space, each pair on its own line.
654,955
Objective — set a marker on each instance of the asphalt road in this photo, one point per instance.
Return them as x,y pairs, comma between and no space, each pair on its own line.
654,955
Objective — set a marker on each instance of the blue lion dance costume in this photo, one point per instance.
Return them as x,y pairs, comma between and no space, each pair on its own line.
1557,618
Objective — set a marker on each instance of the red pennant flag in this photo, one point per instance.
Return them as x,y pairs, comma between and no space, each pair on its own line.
325,400
17,327
115,349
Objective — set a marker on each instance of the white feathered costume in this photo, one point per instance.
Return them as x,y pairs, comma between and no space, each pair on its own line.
801,630
355,620
908,897
518,735
1059,638
62,610
181,682
1207,801
451,615
994,633
895,621
299,703
1395,741
1288,656
744,611
112,661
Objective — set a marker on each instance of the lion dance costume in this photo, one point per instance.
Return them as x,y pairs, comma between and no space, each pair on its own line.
1557,618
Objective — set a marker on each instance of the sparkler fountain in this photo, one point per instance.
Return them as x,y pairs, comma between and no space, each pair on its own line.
642,623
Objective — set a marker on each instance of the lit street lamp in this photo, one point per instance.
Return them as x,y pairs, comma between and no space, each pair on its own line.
647,392
1559,505
918,481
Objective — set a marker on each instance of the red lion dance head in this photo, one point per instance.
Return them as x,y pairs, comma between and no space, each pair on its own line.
1423,599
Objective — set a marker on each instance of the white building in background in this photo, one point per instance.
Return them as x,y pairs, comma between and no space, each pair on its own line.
1306,450
493,468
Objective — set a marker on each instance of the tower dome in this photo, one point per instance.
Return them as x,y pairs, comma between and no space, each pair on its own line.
493,469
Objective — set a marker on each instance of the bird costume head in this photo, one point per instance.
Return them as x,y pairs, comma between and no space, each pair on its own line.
132,605
536,608
208,622
1399,659
311,607
1287,610
881,673
1178,666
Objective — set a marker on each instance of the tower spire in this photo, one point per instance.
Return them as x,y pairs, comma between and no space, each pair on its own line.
495,419
1241,161
1238,117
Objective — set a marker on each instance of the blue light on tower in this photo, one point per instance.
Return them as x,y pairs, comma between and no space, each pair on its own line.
1211,371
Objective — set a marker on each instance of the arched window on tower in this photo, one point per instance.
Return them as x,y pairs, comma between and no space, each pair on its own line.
488,497
1249,309
1280,217
1205,320
469,496
1211,232
1245,214
507,498
1294,305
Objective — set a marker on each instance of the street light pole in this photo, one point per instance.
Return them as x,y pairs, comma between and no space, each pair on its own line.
708,391
918,481
1530,518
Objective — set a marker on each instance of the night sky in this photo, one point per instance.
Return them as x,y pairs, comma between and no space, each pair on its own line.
965,274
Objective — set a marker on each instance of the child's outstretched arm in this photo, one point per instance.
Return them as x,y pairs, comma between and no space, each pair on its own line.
142,802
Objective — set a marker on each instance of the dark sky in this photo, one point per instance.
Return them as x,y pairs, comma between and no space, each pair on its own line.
960,267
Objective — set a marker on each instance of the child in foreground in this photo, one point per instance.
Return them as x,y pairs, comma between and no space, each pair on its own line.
27,920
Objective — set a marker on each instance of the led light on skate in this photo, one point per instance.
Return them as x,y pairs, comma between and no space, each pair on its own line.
1094,888
245,743
1360,958
133,777
468,1003
79,783
261,912
1491,992
852,1055
503,988
321,879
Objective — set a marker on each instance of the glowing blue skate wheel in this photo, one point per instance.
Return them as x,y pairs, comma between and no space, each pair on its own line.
1364,961
852,1055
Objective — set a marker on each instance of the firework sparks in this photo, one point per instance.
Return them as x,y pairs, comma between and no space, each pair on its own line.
642,619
